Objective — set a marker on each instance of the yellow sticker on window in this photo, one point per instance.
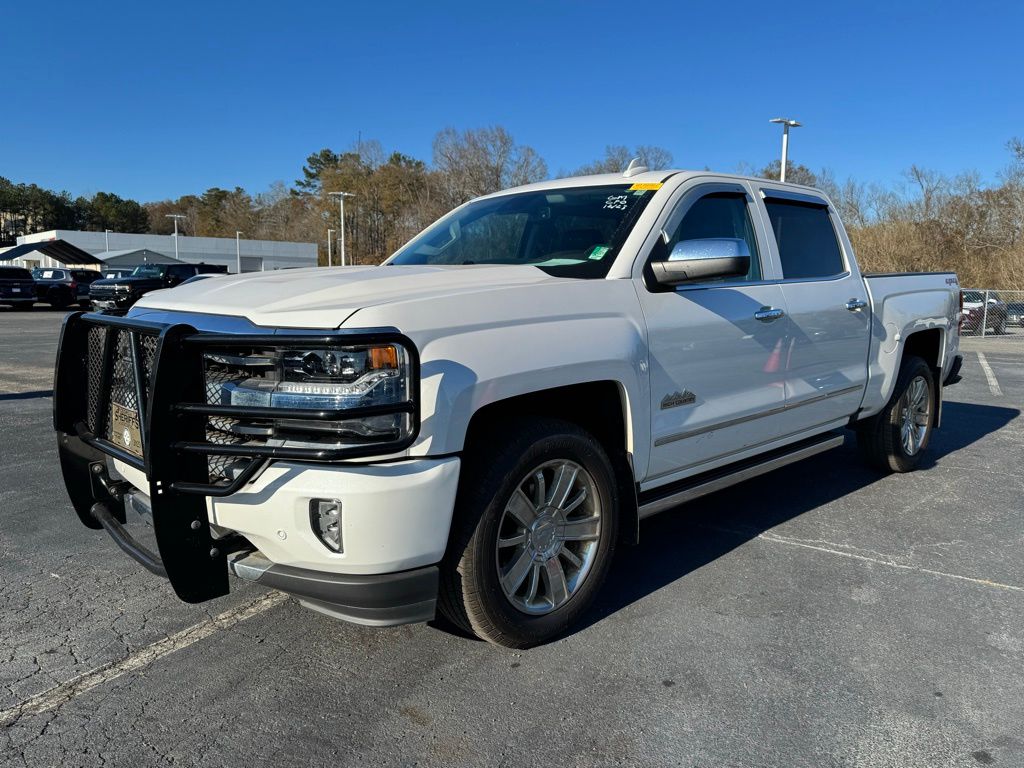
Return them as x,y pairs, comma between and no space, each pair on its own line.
649,185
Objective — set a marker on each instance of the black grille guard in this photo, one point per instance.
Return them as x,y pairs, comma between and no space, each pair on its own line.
170,397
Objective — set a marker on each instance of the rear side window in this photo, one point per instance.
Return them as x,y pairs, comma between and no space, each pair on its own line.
48,274
807,241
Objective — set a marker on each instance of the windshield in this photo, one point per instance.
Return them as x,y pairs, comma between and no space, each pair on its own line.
150,270
573,232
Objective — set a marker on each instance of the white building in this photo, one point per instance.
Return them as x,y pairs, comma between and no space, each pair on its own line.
256,255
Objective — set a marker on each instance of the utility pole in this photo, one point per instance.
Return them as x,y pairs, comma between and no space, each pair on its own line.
106,239
238,250
341,213
175,216
329,261
786,123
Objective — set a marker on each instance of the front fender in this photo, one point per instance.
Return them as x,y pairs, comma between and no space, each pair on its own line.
481,348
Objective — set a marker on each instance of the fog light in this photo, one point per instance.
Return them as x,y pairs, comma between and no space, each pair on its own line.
325,518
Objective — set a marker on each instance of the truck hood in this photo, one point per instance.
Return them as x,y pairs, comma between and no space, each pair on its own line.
133,283
326,297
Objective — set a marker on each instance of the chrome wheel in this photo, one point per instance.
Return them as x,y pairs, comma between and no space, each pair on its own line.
915,415
548,536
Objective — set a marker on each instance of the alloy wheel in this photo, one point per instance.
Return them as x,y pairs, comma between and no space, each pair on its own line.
548,536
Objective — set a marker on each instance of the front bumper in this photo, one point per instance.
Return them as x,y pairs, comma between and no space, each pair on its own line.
396,522
110,302
379,600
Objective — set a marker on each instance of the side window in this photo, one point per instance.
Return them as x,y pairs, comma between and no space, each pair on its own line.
720,215
807,241
181,271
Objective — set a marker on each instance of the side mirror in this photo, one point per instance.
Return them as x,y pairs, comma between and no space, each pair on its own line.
703,259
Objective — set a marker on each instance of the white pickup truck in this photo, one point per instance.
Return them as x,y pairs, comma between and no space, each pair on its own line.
475,425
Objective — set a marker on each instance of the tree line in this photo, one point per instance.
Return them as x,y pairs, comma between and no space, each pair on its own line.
27,208
927,222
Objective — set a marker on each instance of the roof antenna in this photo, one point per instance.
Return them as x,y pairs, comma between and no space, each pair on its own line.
635,167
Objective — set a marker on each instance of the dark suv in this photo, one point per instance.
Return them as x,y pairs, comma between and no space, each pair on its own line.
17,287
120,293
62,287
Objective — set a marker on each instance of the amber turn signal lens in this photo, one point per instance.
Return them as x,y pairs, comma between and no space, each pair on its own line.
382,357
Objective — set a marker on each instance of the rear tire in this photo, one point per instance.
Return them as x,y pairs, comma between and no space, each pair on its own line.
895,438
535,526
58,300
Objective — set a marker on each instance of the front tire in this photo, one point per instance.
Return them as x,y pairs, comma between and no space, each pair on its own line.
535,527
895,438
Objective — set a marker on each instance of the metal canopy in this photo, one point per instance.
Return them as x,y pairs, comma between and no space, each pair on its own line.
58,250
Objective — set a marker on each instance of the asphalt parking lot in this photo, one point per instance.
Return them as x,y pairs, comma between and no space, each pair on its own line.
822,615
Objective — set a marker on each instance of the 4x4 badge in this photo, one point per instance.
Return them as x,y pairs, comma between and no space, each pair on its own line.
686,397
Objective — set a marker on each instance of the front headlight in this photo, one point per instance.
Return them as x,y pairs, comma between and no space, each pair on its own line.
327,379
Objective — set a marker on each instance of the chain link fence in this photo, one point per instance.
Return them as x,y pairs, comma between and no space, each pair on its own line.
991,312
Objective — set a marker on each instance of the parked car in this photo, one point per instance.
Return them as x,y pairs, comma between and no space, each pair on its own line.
120,293
17,288
995,317
475,426
63,287
1015,312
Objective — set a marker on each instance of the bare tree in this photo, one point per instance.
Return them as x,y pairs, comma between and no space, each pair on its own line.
479,161
617,156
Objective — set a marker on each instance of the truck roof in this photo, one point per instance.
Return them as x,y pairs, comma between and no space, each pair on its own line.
645,177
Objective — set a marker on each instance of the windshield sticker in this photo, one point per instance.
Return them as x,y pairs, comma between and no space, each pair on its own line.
617,202
648,185
599,251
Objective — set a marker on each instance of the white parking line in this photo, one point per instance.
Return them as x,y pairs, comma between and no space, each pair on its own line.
993,383
832,550
65,692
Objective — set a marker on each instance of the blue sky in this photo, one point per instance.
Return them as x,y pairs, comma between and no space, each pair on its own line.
155,100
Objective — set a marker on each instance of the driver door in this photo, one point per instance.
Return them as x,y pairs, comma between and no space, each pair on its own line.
716,348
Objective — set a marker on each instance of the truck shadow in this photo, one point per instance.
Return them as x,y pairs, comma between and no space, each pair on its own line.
680,541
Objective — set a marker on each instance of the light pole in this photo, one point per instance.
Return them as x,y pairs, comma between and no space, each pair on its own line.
329,260
341,212
786,125
106,239
238,250
175,216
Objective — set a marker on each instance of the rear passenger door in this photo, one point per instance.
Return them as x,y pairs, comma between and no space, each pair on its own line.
829,316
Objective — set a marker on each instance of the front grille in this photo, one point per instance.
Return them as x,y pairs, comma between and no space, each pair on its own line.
220,430
122,390
102,291
110,349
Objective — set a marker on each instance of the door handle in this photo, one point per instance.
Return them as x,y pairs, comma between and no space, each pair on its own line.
856,305
768,314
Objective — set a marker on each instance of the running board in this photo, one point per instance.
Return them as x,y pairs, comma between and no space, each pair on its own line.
660,499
